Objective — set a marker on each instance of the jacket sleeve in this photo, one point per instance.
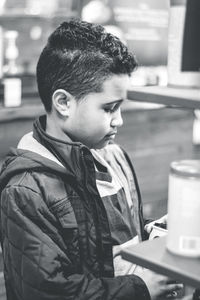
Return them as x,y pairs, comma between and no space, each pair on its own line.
34,264
145,235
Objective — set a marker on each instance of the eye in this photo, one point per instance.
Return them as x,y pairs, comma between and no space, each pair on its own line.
112,108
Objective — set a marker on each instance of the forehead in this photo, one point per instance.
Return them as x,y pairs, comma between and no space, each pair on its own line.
113,89
116,85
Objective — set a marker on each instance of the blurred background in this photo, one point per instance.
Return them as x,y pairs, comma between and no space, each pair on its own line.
138,23
153,134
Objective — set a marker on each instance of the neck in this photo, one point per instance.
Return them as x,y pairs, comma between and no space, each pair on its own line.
54,128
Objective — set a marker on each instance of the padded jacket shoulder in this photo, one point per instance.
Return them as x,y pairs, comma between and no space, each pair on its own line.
51,240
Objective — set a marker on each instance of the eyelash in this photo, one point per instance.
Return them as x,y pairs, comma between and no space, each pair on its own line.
112,110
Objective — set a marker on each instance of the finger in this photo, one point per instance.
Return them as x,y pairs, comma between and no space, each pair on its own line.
169,281
173,281
173,287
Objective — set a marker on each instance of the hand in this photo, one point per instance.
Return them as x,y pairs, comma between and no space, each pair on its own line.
159,286
149,226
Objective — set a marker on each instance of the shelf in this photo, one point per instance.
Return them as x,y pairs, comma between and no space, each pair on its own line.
30,109
21,13
170,96
154,255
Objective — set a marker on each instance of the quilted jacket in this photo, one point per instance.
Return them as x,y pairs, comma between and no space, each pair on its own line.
55,234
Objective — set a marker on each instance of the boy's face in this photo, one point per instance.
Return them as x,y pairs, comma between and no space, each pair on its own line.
94,120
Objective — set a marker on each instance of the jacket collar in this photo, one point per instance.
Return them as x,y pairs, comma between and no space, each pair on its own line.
72,155
28,142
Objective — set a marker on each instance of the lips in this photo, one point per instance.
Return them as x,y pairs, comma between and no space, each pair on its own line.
111,134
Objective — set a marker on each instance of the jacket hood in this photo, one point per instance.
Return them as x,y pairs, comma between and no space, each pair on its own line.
41,152
29,155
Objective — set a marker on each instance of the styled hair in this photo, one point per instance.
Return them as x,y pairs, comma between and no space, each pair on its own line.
79,57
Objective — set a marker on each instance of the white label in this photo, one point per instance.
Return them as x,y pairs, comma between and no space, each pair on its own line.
190,244
12,92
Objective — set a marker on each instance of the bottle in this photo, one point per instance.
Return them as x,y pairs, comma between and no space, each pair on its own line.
11,81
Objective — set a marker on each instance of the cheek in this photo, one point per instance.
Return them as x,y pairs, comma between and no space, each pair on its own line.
92,122
97,130
95,119
102,123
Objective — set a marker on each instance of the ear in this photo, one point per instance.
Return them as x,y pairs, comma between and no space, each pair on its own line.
61,102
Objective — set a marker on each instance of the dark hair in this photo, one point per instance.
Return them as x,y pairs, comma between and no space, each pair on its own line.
79,57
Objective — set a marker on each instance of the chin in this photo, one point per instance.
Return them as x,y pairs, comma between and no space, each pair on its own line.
100,145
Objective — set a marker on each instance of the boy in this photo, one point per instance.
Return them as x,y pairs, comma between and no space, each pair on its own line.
68,194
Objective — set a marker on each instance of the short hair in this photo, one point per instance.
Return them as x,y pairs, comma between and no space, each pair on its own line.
79,57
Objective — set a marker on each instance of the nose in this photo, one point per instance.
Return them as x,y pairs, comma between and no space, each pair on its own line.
117,120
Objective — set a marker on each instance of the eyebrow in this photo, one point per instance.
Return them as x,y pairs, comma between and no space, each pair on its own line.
114,102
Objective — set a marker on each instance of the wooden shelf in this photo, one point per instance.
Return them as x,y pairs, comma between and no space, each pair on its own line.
170,96
154,255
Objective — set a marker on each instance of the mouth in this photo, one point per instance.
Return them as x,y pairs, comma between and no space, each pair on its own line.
111,135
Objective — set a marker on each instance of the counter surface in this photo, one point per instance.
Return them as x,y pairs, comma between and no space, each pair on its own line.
154,255
172,96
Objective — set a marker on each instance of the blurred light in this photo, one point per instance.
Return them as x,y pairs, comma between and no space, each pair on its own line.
2,6
35,32
96,12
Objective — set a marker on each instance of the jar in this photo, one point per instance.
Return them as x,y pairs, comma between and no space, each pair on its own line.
184,208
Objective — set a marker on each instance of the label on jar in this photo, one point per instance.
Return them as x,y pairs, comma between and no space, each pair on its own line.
190,244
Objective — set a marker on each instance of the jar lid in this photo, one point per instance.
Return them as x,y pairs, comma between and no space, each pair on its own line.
186,168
